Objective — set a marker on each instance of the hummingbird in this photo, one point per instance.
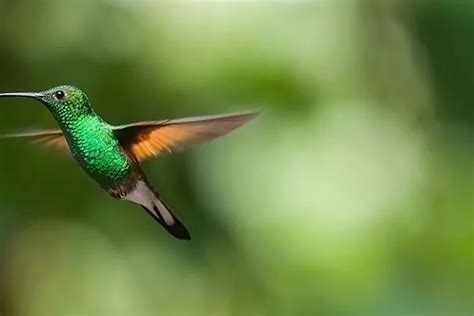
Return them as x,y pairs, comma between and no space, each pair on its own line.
111,155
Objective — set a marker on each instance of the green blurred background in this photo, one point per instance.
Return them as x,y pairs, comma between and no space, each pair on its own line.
351,194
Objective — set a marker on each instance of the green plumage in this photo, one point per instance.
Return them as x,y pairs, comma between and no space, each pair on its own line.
97,150
91,140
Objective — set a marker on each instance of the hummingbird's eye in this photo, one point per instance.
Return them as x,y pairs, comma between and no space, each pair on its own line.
59,95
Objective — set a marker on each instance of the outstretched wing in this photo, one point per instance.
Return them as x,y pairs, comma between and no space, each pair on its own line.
149,139
50,138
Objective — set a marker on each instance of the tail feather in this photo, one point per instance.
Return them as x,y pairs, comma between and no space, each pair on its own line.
169,221
150,201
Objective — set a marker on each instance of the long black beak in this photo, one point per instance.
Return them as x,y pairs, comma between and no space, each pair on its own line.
31,95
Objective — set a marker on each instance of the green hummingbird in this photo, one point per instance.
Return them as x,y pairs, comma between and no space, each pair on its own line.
111,155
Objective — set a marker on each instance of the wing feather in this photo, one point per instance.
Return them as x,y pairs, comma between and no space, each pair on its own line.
53,138
144,140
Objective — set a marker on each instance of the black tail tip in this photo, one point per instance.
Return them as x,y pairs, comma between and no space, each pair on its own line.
179,231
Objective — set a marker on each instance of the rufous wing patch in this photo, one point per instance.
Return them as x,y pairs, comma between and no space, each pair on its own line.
149,139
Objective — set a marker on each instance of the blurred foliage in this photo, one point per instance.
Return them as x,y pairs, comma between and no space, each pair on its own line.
351,194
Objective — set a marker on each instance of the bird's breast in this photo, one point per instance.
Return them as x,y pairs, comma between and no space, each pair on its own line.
99,154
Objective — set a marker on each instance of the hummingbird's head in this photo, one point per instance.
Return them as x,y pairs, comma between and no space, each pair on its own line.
65,99
61,101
